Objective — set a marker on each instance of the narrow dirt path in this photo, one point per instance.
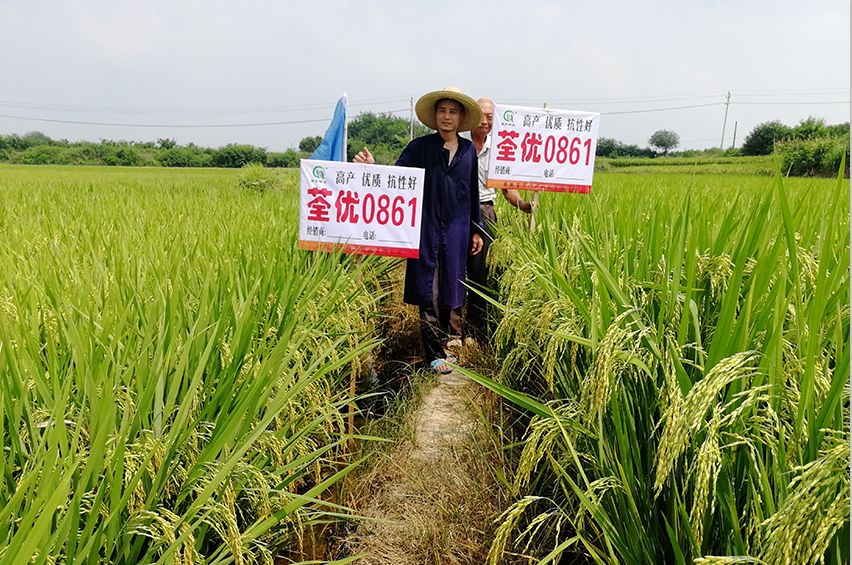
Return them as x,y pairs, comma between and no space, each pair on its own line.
433,498
445,420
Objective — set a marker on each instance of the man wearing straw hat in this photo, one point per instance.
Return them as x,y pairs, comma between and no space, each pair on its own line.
450,223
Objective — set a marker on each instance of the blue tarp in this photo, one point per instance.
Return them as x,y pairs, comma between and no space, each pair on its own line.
333,145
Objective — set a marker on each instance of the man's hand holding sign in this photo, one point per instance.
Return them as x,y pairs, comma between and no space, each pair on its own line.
364,156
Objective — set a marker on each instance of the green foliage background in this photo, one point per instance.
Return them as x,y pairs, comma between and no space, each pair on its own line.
812,148
384,134
37,149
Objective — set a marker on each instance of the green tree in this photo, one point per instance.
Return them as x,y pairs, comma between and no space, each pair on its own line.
310,143
124,156
184,157
35,138
385,134
288,159
838,130
31,139
762,139
665,140
606,147
43,155
810,128
820,156
376,129
236,156
609,147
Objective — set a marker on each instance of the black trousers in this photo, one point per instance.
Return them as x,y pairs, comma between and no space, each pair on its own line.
437,324
476,321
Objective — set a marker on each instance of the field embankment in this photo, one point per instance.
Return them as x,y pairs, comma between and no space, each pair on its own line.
703,165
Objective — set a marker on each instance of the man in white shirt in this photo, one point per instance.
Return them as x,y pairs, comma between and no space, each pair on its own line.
477,269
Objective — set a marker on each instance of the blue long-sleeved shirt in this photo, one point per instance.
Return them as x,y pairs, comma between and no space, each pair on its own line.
450,214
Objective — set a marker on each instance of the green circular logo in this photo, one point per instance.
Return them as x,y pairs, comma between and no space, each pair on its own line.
318,172
509,116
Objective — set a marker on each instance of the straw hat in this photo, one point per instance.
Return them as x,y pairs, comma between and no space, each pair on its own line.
425,108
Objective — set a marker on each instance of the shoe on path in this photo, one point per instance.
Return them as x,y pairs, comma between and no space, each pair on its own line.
440,366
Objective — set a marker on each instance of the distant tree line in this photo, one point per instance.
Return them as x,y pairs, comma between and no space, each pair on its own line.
386,136
810,148
763,138
38,149
661,140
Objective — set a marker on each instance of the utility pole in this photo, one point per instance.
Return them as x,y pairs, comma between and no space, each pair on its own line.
411,119
725,122
734,143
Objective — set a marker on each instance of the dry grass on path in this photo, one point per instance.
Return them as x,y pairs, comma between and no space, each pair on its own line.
432,499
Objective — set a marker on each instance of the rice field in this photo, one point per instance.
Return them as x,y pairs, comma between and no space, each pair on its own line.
175,371
677,347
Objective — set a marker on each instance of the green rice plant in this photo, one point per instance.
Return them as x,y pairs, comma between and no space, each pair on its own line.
680,345
174,369
255,176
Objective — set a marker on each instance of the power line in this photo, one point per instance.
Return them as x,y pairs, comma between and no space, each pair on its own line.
296,107
188,111
723,104
797,103
317,120
696,96
87,123
136,125
641,141
635,100
619,100
663,109
637,141
804,92
682,96
815,93
391,99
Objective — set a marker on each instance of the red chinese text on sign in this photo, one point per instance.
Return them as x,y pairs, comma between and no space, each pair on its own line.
319,206
345,204
506,148
529,147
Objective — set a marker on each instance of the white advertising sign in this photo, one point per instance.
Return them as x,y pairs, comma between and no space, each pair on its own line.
357,208
542,149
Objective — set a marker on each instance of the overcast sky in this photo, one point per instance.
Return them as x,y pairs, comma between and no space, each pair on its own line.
211,63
